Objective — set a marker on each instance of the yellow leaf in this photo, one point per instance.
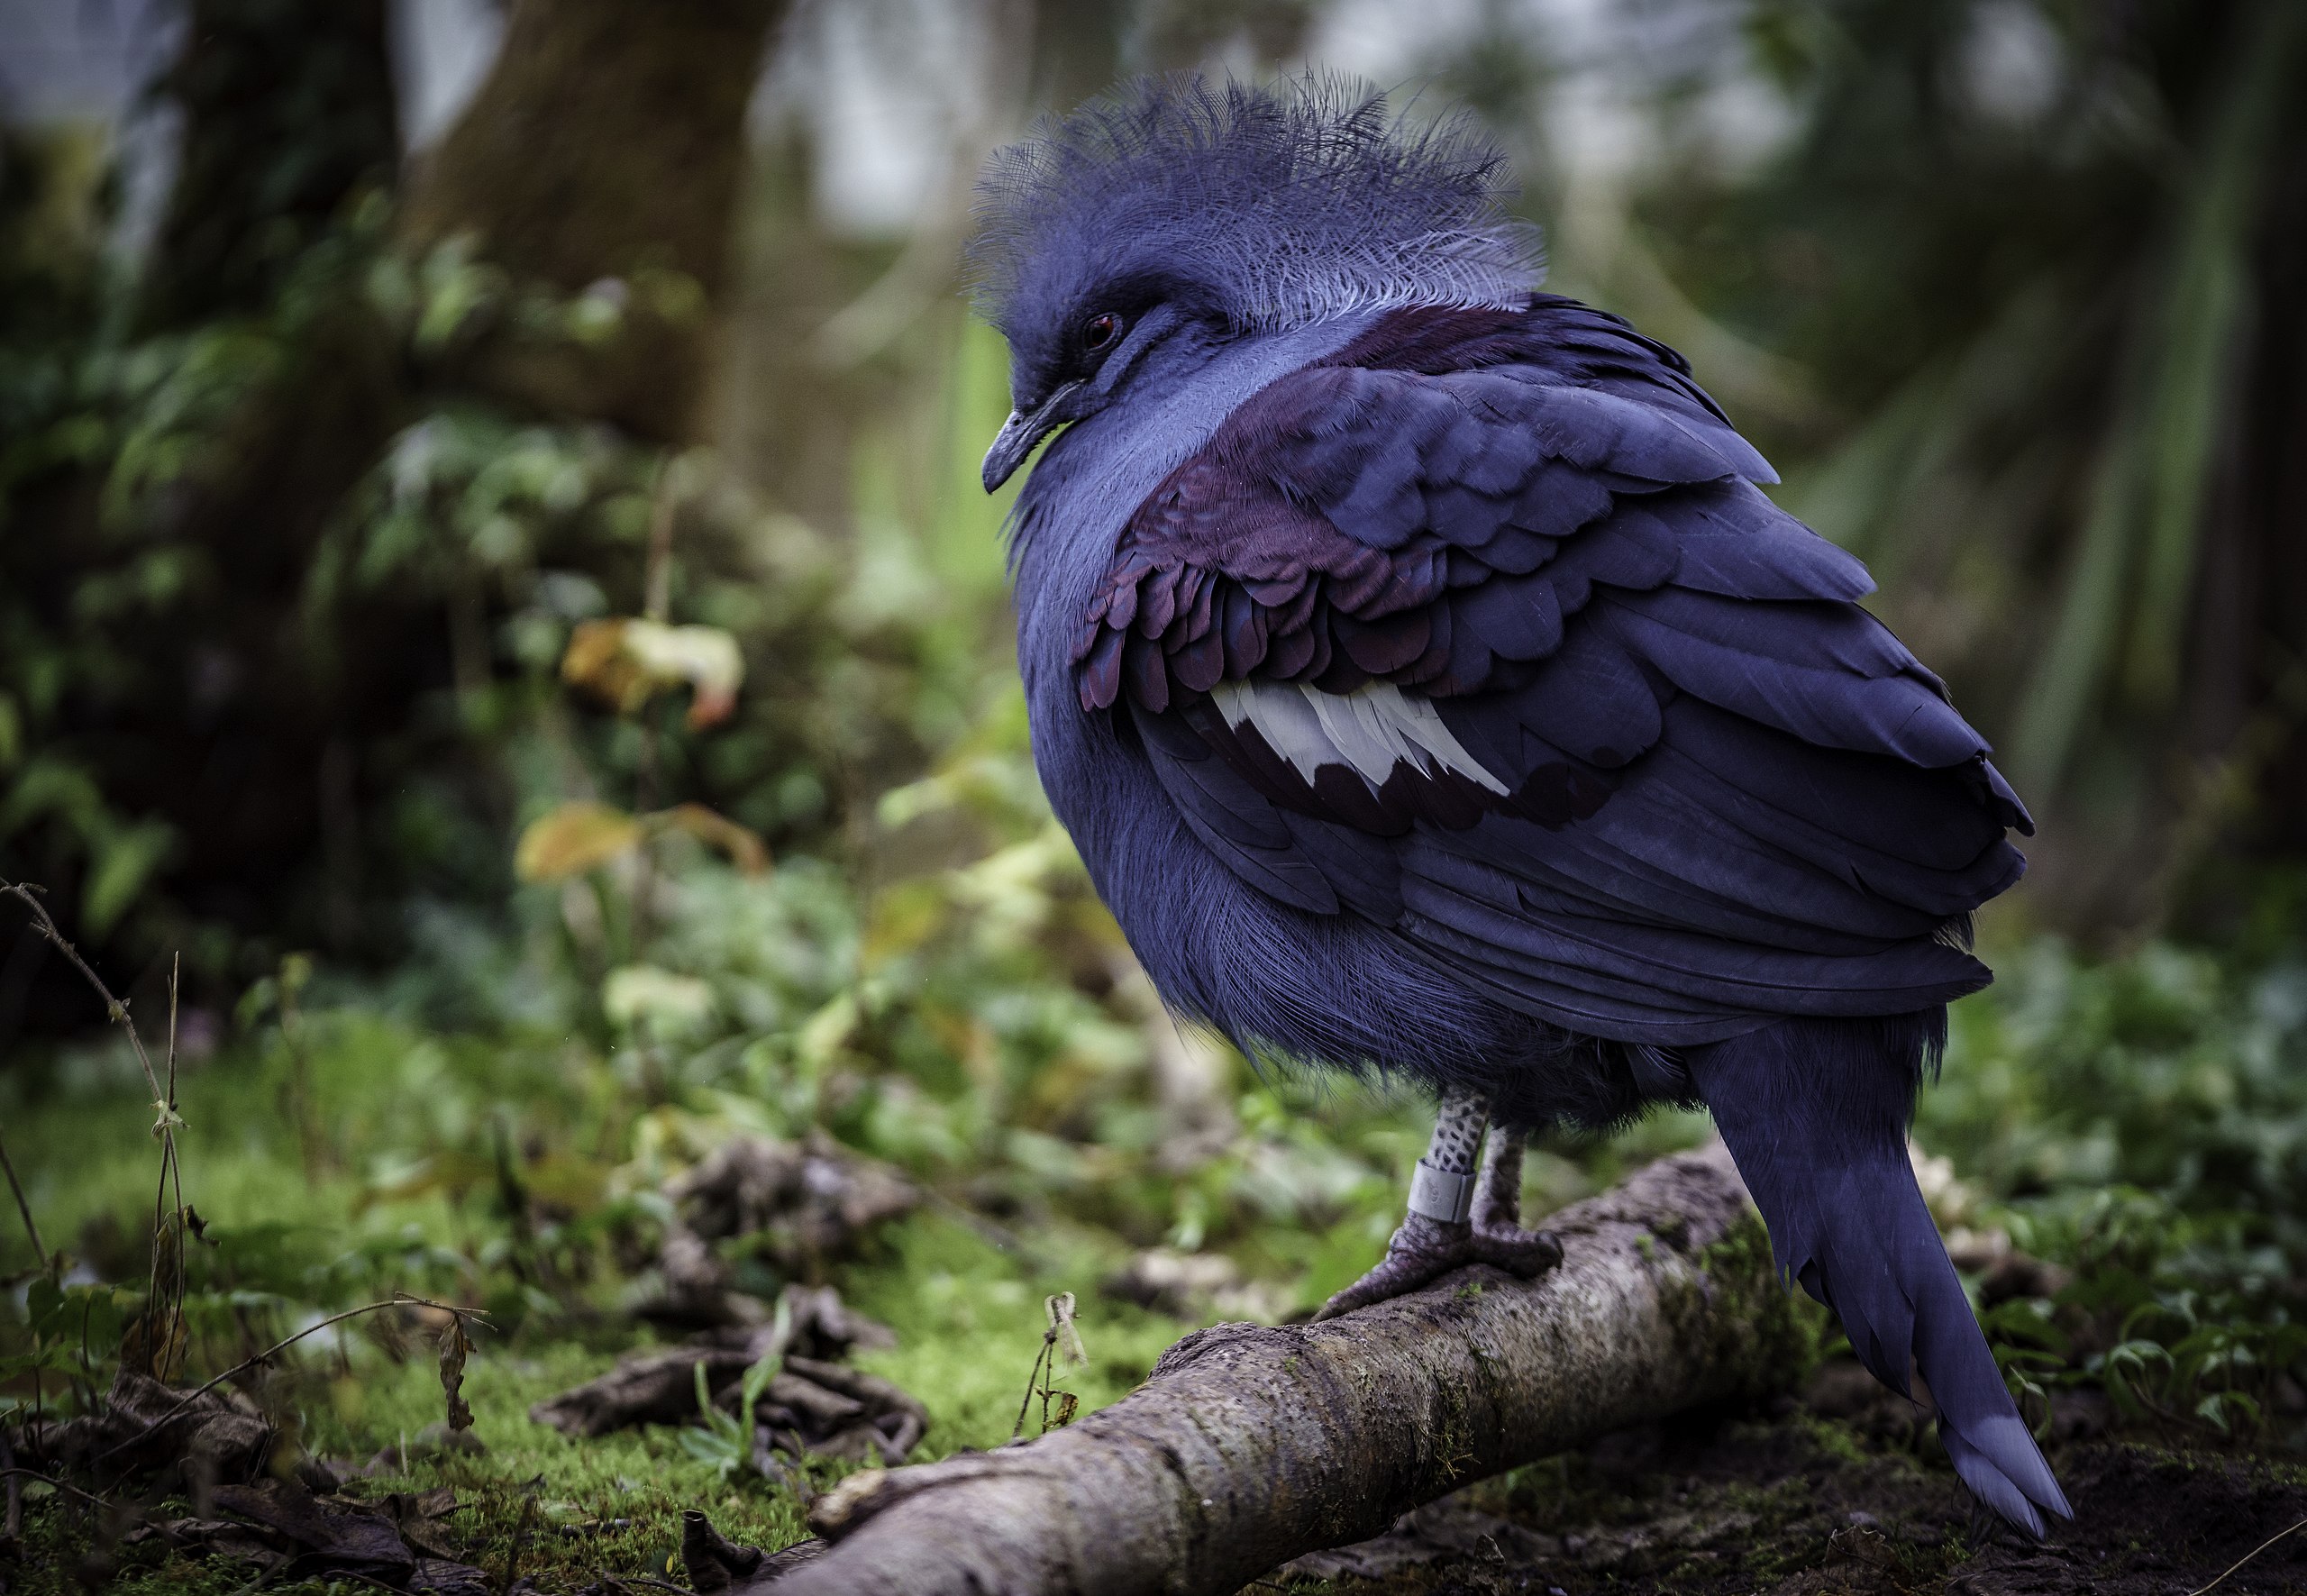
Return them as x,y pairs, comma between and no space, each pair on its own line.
574,838
742,843
669,1004
625,663
596,661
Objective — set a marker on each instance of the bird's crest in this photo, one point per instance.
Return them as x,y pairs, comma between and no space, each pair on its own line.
1290,203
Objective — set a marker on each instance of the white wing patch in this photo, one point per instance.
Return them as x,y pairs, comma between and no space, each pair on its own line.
1370,730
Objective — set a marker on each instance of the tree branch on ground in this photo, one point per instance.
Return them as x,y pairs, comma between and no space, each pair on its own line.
1250,1445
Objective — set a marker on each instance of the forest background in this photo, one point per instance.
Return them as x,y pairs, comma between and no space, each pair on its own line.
504,665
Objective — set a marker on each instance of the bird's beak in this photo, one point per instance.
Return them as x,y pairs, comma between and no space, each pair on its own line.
1021,432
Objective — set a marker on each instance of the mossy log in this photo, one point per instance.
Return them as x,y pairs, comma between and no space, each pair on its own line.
1250,1445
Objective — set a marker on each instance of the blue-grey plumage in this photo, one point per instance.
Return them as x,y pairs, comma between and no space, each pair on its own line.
1430,687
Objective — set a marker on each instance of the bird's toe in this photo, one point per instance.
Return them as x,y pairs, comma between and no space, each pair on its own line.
1528,1254
1421,1250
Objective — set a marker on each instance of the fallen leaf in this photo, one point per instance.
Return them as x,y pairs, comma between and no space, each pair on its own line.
331,1536
454,1347
145,1425
576,837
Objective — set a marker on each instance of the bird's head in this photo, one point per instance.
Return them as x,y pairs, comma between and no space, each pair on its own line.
1123,244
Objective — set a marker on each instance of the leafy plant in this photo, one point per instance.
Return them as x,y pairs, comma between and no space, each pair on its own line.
725,1442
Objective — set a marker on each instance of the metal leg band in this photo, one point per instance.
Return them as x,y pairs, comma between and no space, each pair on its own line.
1440,1194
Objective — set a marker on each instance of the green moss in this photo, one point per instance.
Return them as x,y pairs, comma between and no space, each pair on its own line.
969,1319
403,1193
1834,1439
1773,1333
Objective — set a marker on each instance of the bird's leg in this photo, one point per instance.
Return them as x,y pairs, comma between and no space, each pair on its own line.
1441,1232
1435,1235
1497,1215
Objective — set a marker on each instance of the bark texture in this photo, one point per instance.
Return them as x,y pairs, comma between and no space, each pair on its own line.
605,143
1250,1445
287,113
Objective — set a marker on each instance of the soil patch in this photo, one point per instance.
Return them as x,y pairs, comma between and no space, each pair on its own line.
1841,1494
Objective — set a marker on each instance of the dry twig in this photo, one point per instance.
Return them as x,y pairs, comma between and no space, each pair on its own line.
16,1473
1060,1342
39,1253
163,1320
398,1299
13,1525
2246,1557
115,1009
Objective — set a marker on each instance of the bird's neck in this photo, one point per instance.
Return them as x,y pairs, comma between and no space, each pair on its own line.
1066,528
1093,476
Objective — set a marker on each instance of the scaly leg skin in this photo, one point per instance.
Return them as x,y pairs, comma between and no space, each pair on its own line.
1499,1236
1455,1218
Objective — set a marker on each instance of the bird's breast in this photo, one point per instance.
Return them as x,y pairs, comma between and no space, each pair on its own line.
1068,524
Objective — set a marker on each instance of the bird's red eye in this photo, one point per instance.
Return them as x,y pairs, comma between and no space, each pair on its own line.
1099,331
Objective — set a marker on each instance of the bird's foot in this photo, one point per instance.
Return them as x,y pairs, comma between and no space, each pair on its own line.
1498,1237
1524,1253
1425,1249
1421,1250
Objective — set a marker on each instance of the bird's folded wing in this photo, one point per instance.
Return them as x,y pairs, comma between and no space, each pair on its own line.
1483,632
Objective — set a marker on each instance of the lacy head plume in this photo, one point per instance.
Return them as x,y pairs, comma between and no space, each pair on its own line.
1275,205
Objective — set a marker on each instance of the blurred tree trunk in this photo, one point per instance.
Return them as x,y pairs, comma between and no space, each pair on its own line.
604,152
287,112
603,148
2247,699
208,720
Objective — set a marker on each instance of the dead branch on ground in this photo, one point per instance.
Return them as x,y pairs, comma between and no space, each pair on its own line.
1250,1445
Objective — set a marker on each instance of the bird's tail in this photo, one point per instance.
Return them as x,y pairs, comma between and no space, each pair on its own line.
1815,1113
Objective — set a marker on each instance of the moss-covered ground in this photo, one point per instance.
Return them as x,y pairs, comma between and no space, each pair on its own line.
1837,1489
565,1513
